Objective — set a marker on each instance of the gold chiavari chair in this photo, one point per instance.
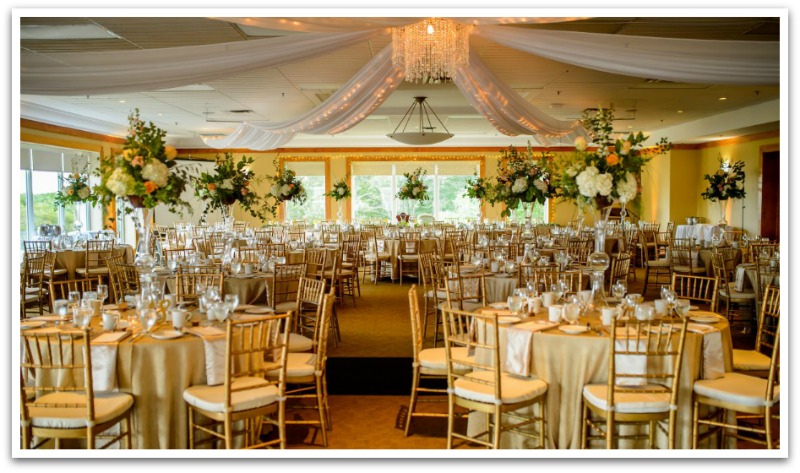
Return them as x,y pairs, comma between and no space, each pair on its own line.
756,361
700,289
644,373
509,403
95,259
282,287
179,254
427,364
277,250
36,247
253,347
250,255
682,259
752,402
378,260
464,291
58,398
309,304
654,265
307,378
408,254
186,285
547,276
316,260
724,263
60,289
32,288
113,263
351,260
762,251
620,266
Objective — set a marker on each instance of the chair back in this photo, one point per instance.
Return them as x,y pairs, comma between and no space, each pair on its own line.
278,250
461,288
646,358
681,257
701,289
250,255
416,321
620,268
254,346
96,253
474,333
34,247
548,276
177,254
322,331
285,283
767,335
186,284
310,293
60,289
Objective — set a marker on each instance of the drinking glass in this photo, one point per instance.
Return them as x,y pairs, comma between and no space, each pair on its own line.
102,292
682,307
619,289
514,304
670,298
236,266
557,292
149,319
664,290
572,312
644,312
232,301
532,289
84,317
172,264
74,298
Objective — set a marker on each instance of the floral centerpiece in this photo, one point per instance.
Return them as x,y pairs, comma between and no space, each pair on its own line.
596,178
413,190
521,180
75,187
340,190
726,183
145,175
229,183
285,187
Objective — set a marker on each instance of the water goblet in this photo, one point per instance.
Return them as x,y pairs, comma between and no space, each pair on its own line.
682,307
514,304
644,312
556,290
102,292
670,296
149,319
83,318
74,298
619,289
572,312
232,301
236,266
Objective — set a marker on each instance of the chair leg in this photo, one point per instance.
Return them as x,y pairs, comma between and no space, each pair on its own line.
646,277
191,427
413,402
323,419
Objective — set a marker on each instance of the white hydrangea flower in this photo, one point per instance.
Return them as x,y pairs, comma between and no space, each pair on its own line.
226,184
580,143
84,193
585,181
541,185
286,190
604,184
520,185
119,182
627,188
157,172
340,191
415,191
275,190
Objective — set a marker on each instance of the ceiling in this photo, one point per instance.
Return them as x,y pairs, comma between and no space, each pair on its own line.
282,93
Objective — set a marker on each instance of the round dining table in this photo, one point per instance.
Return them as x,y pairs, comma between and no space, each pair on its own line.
568,362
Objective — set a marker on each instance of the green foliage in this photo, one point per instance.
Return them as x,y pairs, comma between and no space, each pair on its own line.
229,183
726,183
340,190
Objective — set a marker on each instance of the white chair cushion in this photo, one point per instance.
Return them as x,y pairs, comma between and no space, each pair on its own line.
661,263
736,388
736,295
513,389
408,257
106,407
212,398
629,402
746,360
440,294
381,256
468,306
299,343
92,271
686,269
297,365
436,358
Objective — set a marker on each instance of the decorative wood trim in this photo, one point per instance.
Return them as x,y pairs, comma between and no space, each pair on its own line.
61,143
769,148
61,130
730,141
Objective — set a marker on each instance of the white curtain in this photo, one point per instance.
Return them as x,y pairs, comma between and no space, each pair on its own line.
508,111
152,69
346,108
679,60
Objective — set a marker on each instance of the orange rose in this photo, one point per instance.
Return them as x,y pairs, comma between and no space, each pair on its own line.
150,186
612,159
244,191
70,191
212,186
291,186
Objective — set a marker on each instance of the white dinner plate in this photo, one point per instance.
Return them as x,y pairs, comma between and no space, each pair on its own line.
704,319
499,305
259,310
166,334
243,307
508,319
573,329
47,318
29,324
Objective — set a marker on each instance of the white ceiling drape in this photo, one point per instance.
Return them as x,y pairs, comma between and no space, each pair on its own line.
153,69
508,111
346,108
674,59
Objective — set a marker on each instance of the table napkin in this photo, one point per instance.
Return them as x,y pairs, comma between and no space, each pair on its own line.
518,346
741,272
104,360
214,348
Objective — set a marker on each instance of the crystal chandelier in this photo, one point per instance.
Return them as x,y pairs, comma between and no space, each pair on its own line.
430,51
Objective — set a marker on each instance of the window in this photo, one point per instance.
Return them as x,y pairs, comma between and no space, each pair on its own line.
312,175
375,185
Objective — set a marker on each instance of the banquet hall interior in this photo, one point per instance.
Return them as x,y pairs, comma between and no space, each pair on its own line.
474,224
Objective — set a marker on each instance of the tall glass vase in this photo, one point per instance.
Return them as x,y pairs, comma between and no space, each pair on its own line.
77,225
527,208
723,212
227,217
340,212
143,219
599,260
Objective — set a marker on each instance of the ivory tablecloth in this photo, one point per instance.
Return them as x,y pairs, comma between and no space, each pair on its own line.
74,259
569,362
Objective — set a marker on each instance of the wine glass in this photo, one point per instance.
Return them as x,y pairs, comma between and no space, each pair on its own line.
564,286
619,289
236,266
670,296
74,298
149,319
664,289
232,301
83,318
102,292
572,312
682,307
556,290
514,304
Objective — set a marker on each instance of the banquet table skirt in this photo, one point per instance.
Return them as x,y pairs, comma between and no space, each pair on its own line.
568,362
499,288
392,246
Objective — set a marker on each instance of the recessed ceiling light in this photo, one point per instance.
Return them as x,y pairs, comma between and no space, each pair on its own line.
680,111
121,101
723,98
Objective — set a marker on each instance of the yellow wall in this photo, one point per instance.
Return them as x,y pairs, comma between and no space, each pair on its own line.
671,184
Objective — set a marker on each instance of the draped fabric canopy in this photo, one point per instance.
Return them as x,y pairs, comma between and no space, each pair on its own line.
681,60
